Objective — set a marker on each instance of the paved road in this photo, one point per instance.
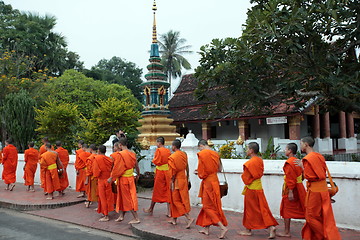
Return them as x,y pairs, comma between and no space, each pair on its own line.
17,225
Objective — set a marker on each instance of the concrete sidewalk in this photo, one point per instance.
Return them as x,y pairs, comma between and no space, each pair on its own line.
68,209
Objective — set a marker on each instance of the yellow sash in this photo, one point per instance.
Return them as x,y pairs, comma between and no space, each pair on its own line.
255,185
52,166
129,173
163,167
298,180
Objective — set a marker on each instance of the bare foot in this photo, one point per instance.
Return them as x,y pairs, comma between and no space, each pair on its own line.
87,204
223,233
81,195
7,188
32,190
272,232
283,234
245,233
104,219
95,209
191,220
45,193
49,198
119,219
172,221
204,231
134,221
149,211
168,215
12,187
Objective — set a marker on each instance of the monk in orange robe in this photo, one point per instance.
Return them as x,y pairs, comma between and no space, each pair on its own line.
31,162
257,214
102,166
10,160
161,190
211,212
80,166
319,216
293,194
50,161
123,175
64,158
179,172
42,170
91,181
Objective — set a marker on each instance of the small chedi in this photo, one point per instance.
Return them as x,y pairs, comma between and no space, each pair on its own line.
156,119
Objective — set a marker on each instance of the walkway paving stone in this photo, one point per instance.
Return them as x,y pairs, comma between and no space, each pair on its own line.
20,199
151,227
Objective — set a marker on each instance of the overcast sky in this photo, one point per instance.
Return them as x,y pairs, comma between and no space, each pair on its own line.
102,29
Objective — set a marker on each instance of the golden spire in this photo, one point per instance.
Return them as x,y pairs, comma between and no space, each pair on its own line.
154,37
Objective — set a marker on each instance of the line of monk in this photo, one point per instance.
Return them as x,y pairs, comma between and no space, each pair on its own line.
103,174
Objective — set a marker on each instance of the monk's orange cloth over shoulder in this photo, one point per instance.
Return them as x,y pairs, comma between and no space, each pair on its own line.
102,166
31,160
126,190
319,216
42,169
211,212
10,160
180,201
161,190
257,214
1,156
293,181
64,158
80,166
92,182
48,162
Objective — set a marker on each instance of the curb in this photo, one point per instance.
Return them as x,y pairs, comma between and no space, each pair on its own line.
150,235
32,207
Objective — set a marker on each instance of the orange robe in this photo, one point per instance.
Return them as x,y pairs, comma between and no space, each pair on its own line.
31,160
42,169
257,214
1,156
80,166
10,160
211,212
48,162
293,181
124,163
161,190
92,182
101,170
64,158
180,200
319,216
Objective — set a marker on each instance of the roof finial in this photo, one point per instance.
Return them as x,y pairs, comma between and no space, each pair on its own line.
154,37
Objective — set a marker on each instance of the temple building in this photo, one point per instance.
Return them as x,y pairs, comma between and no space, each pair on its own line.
156,119
333,133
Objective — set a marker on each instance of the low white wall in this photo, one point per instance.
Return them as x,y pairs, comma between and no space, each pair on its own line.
20,172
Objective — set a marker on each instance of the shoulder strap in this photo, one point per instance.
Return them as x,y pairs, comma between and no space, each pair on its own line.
329,175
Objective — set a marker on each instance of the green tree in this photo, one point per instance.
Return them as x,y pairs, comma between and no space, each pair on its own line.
172,49
119,71
33,35
58,121
74,87
18,118
111,115
290,52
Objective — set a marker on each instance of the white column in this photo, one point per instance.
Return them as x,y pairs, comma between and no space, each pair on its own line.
189,145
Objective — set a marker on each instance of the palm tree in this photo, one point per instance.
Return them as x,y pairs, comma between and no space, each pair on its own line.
172,49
